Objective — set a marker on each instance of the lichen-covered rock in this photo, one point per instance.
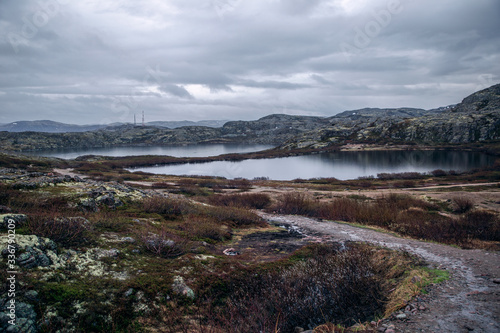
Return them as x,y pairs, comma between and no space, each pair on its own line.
181,288
19,220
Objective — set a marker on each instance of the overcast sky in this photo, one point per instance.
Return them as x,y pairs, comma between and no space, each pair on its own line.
102,61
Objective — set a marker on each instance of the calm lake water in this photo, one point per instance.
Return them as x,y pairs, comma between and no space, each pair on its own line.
341,165
200,150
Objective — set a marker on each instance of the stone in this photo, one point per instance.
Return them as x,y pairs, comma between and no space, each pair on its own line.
128,240
231,252
497,281
31,295
401,316
42,260
19,220
26,260
129,292
89,205
180,288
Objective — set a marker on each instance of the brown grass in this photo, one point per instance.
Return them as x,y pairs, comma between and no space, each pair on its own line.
245,200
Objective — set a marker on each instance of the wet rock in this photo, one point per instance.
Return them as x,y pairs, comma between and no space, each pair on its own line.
181,288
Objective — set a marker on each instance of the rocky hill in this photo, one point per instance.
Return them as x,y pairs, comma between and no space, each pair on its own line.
183,123
475,119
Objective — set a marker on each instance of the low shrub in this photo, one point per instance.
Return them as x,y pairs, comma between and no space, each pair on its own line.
462,204
67,231
169,207
246,200
162,242
233,216
339,287
207,229
295,203
482,225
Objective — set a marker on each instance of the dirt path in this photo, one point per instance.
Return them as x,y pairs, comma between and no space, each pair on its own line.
468,302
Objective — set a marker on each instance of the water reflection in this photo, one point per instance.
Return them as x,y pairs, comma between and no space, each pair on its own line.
199,150
341,165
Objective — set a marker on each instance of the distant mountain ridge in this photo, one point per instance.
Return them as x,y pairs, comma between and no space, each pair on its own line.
475,119
49,126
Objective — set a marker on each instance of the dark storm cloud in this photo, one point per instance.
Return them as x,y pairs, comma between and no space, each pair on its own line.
98,61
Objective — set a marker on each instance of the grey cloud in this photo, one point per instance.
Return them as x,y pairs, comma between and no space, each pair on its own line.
100,60
176,91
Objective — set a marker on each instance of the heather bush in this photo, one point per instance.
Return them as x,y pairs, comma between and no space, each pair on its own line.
339,286
233,216
481,224
67,231
208,229
168,207
295,203
462,204
245,200
162,242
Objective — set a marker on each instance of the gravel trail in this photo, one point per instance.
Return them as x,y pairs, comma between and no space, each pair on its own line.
468,302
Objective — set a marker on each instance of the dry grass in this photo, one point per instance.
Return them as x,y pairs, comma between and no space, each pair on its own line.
245,200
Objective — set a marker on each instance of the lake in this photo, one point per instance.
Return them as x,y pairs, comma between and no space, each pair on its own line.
341,165
199,150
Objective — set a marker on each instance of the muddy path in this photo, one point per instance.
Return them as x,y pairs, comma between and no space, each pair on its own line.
468,302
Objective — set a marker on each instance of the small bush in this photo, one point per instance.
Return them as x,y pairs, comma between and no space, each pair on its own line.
462,204
162,242
482,225
72,231
206,229
233,216
295,203
165,206
246,200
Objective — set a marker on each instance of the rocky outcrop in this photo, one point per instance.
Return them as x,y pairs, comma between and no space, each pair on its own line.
272,129
476,119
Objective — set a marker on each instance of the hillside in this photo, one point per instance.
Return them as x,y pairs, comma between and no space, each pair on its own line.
47,126
475,119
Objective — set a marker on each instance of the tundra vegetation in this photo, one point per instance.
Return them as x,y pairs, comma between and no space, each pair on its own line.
134,252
